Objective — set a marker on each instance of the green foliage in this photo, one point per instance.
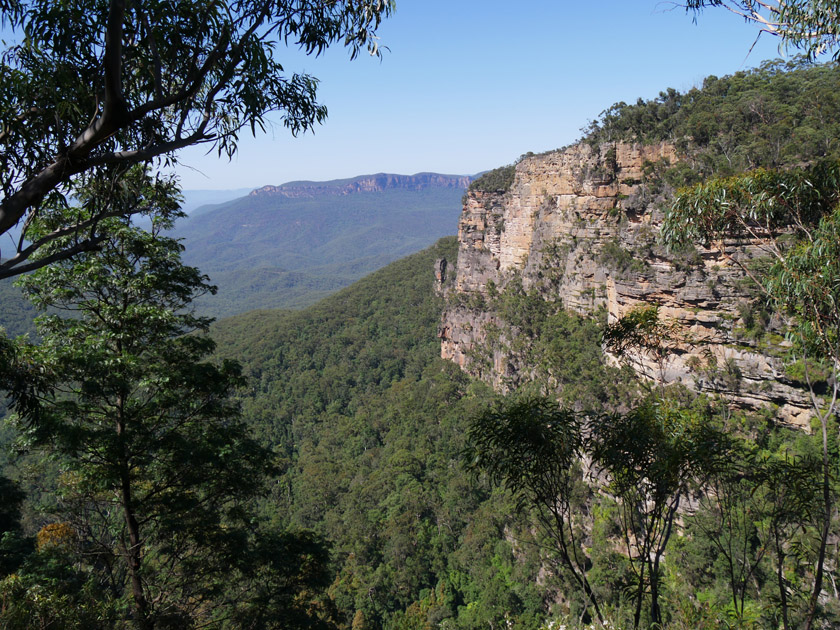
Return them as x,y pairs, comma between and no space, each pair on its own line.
52,592
760,204
609,536
640,331
526,445
550,349
94,86
13,546
615,257
652,455
805,282
809,25
532,446
157,469
498,180
793,216
750,518
779,115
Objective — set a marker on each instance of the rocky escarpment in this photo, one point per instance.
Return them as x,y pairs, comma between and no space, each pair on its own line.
579,226
365,183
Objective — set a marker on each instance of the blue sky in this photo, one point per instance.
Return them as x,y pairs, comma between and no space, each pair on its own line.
468,85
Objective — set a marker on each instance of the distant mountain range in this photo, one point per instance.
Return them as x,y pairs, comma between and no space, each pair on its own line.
203,200
288,246
366,183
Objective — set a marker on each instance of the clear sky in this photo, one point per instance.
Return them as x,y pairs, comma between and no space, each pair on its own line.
468,85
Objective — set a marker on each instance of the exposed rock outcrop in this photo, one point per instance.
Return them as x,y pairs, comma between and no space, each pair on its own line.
581,225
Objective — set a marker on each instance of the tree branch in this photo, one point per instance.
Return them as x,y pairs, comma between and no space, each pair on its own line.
19,118
149,153
83,246
13,266
114,110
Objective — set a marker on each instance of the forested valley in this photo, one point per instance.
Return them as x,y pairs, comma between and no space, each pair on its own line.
325,468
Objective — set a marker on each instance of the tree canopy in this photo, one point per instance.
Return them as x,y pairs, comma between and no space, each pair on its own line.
158,471
89,88
809,25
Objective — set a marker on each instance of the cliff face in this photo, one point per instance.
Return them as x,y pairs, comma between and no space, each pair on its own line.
579,226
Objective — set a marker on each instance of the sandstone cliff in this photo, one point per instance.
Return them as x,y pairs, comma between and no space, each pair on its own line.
580,226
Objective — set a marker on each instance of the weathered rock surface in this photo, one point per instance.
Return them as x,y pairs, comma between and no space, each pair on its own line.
580,225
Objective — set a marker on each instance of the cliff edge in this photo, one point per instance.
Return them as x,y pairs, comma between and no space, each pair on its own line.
579,227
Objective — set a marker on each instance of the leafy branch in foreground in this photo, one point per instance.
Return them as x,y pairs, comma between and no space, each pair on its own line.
809,25
793,216
641,332
90,85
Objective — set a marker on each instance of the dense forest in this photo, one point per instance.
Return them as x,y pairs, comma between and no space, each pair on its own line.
781,114
371,424
270,250
324,469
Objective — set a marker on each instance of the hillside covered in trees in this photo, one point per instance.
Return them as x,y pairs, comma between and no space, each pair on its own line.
326,469
781,114
370,425
289,246
381,442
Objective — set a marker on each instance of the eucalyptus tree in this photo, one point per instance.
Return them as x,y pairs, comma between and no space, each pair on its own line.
88,86
642,333
158,472
793,217
728,517
533,447
809,25
652,456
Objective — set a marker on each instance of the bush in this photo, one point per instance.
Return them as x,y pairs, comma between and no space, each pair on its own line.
498,180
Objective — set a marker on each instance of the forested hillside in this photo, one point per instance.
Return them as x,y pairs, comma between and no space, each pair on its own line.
370,424
781,114
288,246
16,312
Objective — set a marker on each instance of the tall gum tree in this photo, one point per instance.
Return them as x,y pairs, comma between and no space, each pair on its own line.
158,469
794,217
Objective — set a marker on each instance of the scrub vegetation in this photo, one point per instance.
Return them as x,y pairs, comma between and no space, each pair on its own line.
325,468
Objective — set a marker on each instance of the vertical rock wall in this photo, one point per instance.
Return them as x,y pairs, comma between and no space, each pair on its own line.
580,225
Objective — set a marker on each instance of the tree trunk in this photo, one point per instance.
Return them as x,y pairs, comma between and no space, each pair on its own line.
573,568
826,526
640,594
134,550
780,575
134,554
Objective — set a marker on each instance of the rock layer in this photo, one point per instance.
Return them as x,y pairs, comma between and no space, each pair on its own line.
580,225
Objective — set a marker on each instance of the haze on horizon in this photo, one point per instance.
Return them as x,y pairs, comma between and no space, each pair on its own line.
465,87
